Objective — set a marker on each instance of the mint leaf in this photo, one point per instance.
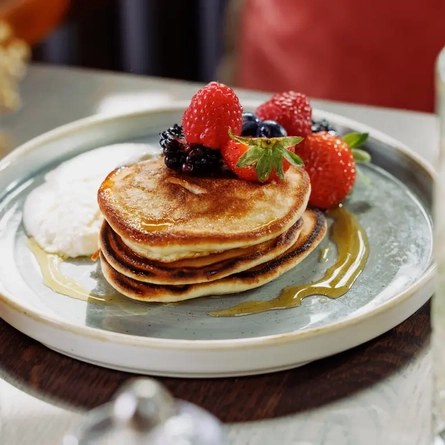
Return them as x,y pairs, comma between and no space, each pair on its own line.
360,155
355,139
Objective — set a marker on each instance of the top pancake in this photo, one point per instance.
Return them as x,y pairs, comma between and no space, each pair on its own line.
164,215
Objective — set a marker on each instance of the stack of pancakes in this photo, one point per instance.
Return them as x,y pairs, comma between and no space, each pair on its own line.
169,237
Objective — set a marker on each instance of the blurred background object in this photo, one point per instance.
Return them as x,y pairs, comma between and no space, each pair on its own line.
377,53
22,24
32,20
14,54
167,38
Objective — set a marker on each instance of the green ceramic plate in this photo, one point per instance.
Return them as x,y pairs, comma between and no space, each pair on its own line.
183,340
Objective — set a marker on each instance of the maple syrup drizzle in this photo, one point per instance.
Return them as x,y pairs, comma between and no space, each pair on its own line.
155,226
324,254
57,281
352,255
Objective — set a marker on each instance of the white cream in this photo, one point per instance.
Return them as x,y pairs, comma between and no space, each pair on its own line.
62,214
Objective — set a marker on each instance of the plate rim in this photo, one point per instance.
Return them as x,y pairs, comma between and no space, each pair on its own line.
219,344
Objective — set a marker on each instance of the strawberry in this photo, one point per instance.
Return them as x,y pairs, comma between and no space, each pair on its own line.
212,111
260,159
291,110
330,162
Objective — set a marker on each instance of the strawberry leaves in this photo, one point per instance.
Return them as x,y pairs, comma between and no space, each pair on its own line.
292,158
355,140
266,154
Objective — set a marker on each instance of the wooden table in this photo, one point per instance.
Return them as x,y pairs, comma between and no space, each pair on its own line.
378,392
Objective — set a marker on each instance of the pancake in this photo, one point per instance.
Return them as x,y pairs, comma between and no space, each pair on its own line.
165,216
313,231
196,270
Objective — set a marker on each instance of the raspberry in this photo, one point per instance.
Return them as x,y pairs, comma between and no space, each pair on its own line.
212,111
291,110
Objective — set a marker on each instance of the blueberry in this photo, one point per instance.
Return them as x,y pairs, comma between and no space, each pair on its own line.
250,125
249,129
271,129
251,118
323,125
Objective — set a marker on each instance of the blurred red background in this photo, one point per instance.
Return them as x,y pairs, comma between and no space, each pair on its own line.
377,53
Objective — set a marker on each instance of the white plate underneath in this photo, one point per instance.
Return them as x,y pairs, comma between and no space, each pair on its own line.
183,340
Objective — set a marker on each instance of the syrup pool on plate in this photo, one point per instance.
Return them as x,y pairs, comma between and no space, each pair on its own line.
345,232
352,254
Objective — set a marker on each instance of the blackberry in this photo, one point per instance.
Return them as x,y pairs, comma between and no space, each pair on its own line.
171,134
191,159
323,125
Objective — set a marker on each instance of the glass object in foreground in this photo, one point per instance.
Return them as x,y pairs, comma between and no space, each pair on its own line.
143,412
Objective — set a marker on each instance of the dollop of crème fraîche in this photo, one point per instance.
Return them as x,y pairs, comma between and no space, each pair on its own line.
62,214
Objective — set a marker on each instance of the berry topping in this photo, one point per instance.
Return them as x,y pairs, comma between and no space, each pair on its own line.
291,110
254,127
250,125
323,125
192,159
260,159
330,162
170,135
271,129
212,111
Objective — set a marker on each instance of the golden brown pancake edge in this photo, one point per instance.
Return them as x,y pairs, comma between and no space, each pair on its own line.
197,270
221,209
314,229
